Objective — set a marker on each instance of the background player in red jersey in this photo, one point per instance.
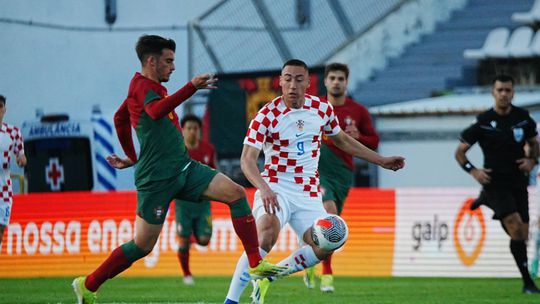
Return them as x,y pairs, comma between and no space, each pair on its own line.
193,218
336,167
164,170
11,142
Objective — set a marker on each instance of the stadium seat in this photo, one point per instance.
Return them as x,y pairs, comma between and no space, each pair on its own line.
494,45
529,17
535,44
518,45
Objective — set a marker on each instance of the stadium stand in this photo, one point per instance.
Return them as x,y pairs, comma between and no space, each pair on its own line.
433,65
530,17
494,44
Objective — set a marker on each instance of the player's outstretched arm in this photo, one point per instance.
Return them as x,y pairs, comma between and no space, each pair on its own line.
355,148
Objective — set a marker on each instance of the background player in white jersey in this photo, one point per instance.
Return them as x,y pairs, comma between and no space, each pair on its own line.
289,130
11,142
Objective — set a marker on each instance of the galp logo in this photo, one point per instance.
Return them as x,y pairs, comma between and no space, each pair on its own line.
469,233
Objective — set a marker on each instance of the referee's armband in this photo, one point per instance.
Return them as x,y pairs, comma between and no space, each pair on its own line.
468,167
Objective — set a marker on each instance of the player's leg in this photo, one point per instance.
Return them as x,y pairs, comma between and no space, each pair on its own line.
184,225
5,213
327,275
152,206
517,226
268,227
223,189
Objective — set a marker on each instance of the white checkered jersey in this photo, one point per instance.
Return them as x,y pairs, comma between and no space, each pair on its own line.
11,143
291,141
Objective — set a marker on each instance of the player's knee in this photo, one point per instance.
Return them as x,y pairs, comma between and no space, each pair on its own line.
203,241
236,192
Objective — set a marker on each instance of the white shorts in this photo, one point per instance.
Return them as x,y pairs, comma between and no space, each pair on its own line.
5,211
298,211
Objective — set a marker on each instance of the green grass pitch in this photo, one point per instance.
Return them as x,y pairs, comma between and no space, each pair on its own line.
289,290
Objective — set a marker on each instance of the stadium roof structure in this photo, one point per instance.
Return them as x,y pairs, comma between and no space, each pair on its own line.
237,36
460,104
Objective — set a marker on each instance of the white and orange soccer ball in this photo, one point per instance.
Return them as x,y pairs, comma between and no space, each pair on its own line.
329,232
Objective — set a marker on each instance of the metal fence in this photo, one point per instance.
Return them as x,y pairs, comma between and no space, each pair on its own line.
254,35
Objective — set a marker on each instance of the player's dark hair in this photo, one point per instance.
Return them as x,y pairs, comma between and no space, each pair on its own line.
503,78
336,66
295,62
3,99
190,117
149,45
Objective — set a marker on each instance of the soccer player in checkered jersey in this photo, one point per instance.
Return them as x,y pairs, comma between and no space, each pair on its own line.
164,169
336,166
11,142
289,130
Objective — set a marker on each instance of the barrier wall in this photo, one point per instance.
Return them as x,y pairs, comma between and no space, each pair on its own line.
407,232
67,234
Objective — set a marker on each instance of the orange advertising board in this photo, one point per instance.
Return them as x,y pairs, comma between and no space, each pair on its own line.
69,234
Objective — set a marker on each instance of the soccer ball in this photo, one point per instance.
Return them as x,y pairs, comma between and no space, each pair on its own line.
329,232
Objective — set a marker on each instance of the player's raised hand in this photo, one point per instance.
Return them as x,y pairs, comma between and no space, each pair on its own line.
393,163
205,81
119,163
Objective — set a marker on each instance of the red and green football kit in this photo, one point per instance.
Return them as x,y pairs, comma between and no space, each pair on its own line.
336,166
196,217
163,165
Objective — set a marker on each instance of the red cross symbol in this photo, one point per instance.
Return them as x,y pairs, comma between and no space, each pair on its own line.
54,174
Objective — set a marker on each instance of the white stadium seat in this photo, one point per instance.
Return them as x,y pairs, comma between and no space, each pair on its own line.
494,46
535,44
529,17
518,45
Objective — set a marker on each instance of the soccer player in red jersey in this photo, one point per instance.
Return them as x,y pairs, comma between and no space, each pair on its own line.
164,170
193,218
336,167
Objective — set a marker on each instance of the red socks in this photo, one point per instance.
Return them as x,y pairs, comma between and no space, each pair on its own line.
183,257
245,228
327,265
113,265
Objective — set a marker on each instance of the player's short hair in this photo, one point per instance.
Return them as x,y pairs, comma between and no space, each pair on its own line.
295,62
3,99
191,117
503,78
336,66
153,45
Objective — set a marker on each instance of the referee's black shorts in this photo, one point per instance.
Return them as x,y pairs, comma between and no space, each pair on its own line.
507,199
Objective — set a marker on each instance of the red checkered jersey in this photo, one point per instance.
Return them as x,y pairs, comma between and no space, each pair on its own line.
11,142
291,140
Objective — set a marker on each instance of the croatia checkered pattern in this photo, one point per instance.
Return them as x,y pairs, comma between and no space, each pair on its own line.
11,143
291,140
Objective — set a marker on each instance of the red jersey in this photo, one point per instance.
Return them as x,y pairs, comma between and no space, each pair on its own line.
204,153
353,113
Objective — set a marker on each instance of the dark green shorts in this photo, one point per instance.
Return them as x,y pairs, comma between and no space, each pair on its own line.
193,217
332,191
154,197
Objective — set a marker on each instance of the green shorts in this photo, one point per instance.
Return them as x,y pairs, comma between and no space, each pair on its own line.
154,197
193,217
332,191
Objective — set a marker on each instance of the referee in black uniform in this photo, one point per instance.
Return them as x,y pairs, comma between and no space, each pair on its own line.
502,133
